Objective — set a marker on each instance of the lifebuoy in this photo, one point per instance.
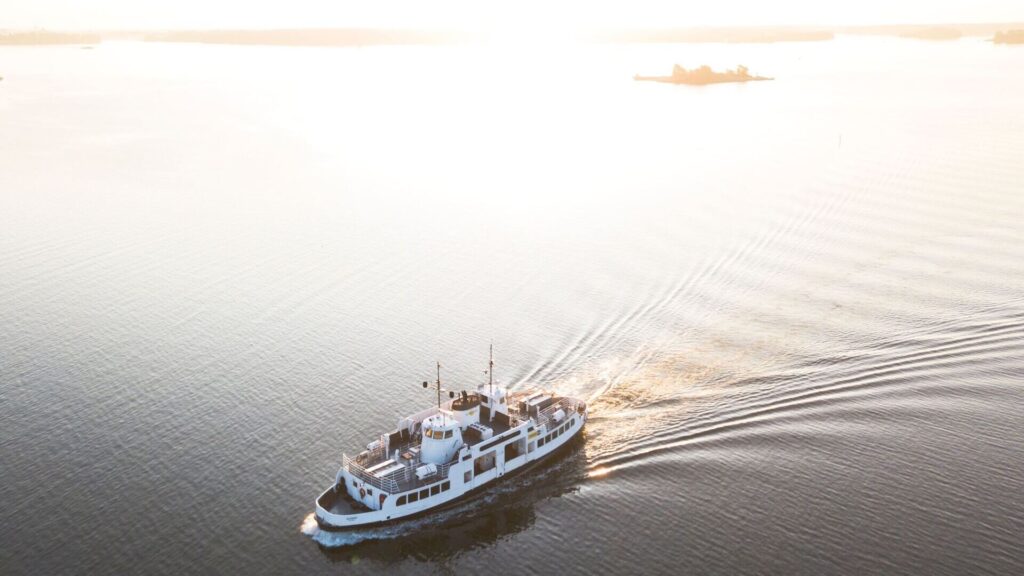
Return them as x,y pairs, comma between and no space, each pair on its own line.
362,493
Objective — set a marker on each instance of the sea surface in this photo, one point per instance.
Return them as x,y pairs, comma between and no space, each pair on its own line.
796,307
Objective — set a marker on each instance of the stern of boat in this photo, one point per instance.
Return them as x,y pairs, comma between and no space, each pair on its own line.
336,510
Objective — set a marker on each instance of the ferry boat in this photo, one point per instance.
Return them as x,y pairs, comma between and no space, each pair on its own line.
440,455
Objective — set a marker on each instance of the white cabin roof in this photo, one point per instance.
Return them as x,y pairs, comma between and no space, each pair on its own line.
440,422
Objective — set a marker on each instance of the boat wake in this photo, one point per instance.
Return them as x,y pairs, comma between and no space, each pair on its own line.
675,401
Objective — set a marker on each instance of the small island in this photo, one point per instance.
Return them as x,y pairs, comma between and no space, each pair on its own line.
702,75
1009,37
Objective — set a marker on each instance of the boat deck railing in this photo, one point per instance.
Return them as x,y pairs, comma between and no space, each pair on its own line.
398,481
569,406
386,484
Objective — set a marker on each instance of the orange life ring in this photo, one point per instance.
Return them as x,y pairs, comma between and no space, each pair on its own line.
362,493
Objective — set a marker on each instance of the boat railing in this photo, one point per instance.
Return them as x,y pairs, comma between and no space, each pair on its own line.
388,483
400,481
568,405
375,452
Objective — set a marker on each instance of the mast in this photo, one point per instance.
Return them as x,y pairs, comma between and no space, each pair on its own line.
490,373
437,385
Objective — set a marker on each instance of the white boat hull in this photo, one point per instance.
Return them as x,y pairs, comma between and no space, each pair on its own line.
362,504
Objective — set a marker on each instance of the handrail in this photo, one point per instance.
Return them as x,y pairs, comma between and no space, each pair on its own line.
569,405
386,484
392,484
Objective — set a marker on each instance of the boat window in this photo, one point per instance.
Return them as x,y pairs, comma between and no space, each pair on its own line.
354,483
428,433
435,490
445,485
467,476
369,491
540,443
448,434
401,501
424,493
413,497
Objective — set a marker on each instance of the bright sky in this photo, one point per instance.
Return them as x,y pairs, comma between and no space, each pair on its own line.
481,14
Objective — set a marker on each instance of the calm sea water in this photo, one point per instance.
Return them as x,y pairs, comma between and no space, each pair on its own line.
796,307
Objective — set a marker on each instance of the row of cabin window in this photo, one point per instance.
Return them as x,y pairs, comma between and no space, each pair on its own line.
556,432
423,494
438,434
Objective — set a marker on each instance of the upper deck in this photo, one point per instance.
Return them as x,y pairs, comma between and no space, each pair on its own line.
390,463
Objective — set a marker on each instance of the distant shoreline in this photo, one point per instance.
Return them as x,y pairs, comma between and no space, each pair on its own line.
317,37
47,38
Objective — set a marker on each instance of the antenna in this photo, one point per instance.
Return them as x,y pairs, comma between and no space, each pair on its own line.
490,373
437,385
